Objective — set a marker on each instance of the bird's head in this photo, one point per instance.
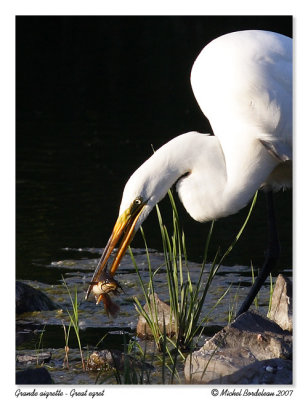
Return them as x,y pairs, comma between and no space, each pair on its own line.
127,224
146,187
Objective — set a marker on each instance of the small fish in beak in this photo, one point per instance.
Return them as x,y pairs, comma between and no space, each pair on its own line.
101,289
111,308
123,232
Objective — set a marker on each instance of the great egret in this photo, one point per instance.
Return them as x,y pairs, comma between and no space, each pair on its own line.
243,83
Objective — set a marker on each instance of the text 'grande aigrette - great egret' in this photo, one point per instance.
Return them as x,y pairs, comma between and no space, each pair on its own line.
243,84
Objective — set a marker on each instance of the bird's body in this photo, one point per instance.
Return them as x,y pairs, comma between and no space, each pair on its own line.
243,84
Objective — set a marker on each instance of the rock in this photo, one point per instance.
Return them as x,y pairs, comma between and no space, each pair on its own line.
281,308
263,337
250,338
33,376
105,359
204,366
29,299
108,359
35,358
163,313
275,371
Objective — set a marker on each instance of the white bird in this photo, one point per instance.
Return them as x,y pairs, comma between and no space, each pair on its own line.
243,84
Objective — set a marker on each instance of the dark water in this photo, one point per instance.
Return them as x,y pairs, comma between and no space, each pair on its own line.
92,95
69,189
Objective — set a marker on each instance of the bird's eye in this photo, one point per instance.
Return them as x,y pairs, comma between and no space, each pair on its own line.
138,201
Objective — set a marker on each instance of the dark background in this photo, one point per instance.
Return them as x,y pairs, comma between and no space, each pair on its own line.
92,95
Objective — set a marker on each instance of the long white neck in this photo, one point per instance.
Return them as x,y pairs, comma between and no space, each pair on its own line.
225,177
211,183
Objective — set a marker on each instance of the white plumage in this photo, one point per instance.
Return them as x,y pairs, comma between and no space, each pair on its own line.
243,84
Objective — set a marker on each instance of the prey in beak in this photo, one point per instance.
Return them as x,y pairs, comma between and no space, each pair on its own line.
101,290
123,232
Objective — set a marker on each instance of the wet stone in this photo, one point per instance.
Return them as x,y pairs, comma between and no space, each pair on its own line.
250,339
34,358
271,372
29,299
163,317
281,308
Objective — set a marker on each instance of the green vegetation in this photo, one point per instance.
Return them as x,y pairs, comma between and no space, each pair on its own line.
39,346
186,297
74,321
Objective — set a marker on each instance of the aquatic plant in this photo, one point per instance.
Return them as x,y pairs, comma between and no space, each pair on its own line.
39,346
66,347
234,301
271,290
186,298
74,321
256,299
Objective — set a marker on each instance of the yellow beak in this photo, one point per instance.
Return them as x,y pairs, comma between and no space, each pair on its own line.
124,229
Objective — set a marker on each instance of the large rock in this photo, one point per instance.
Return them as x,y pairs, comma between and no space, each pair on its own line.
281,308
163,316
29,299
250,338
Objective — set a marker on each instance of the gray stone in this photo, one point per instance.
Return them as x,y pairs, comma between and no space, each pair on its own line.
281,308
34,358
250,338
275,371
262,337
29,299
163,316
204,366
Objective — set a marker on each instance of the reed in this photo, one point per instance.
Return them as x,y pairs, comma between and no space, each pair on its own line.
271,290
186,298
74,322
66,347
39,346
135,369
256,299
